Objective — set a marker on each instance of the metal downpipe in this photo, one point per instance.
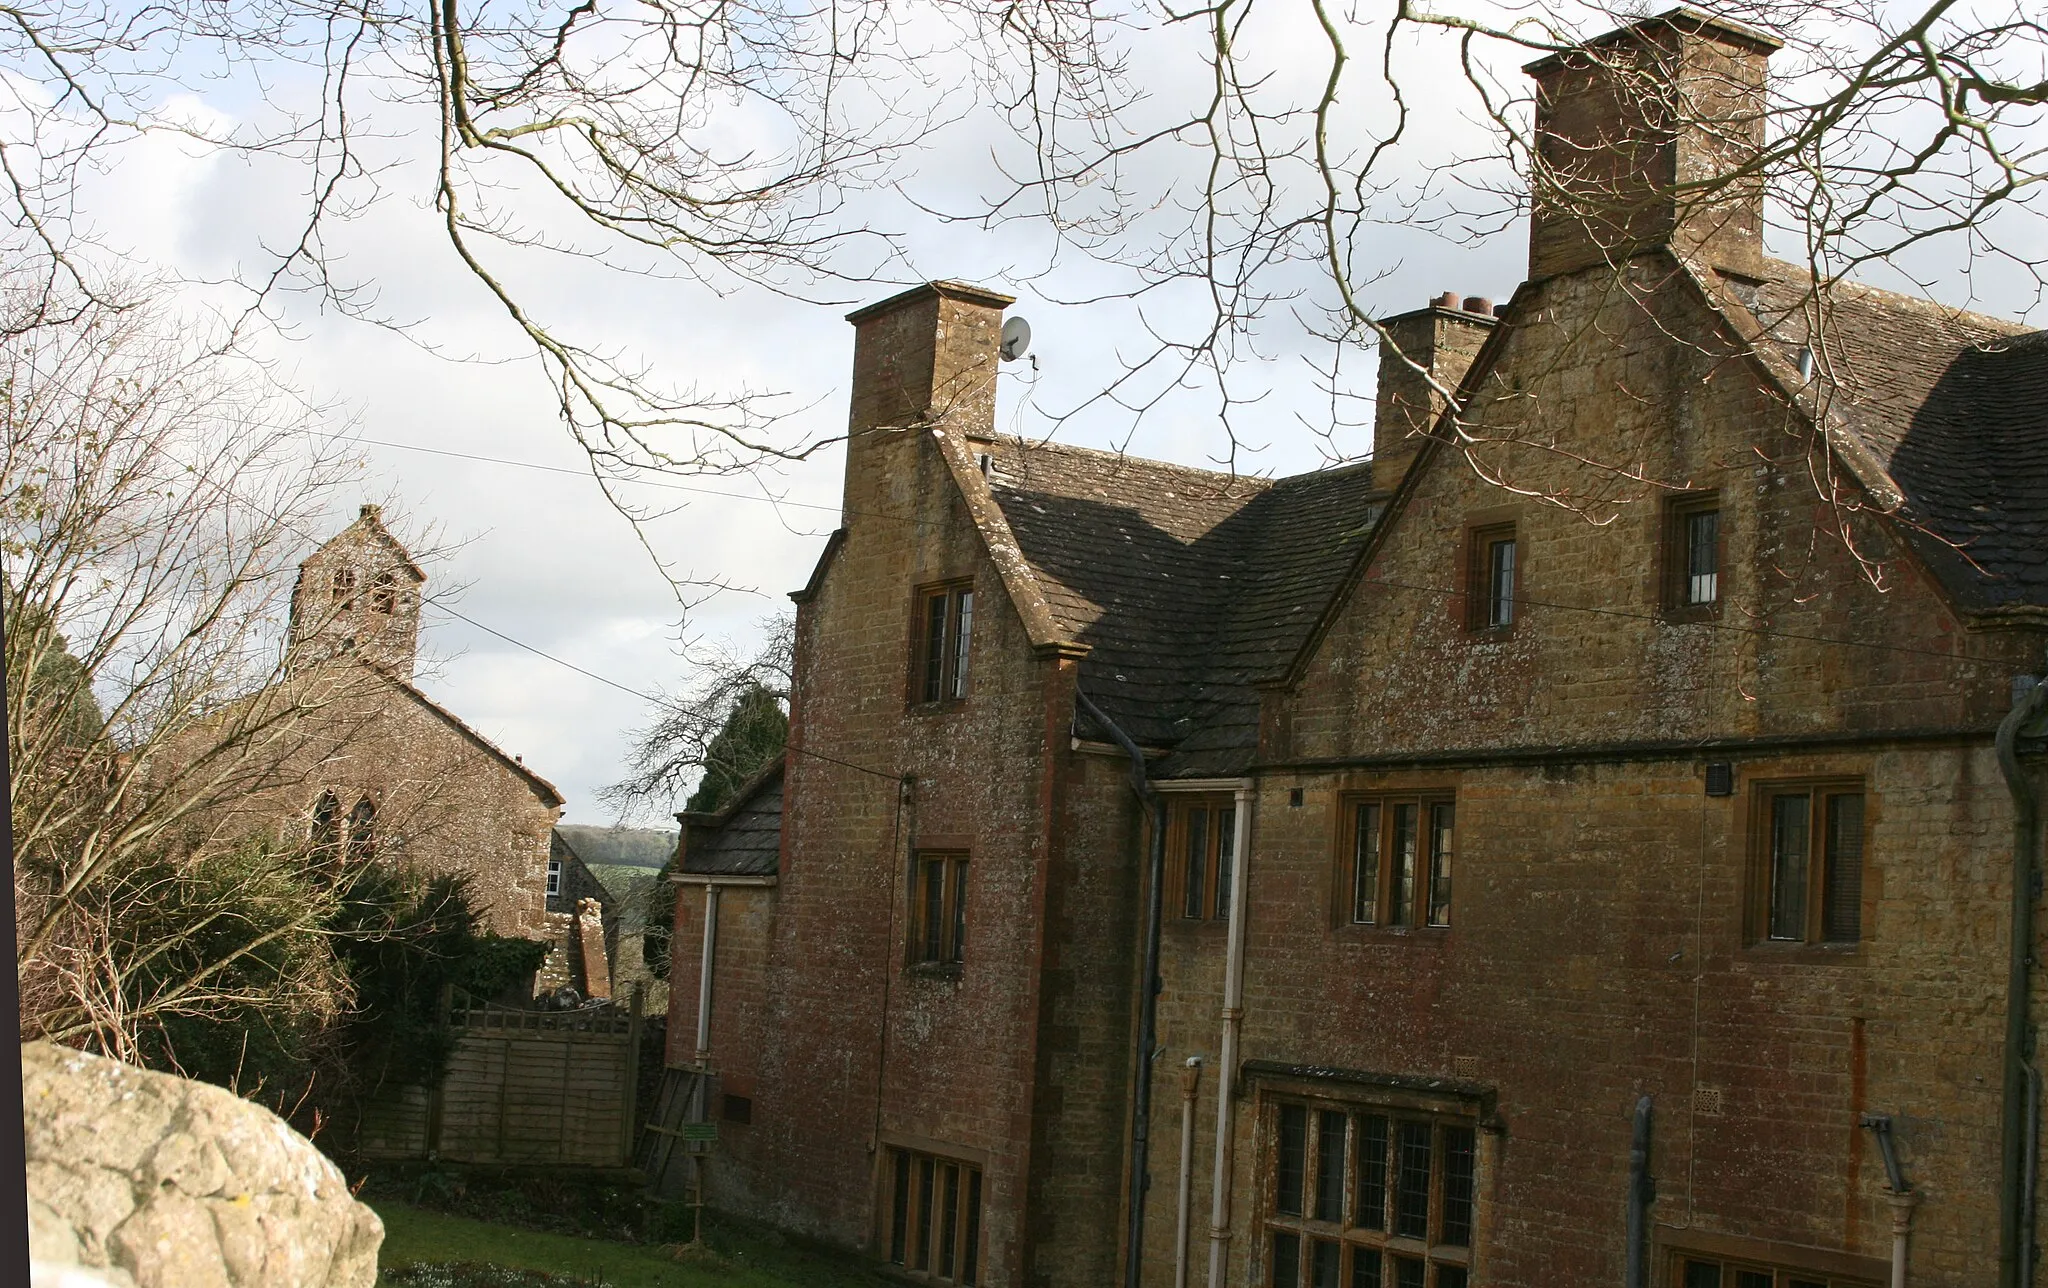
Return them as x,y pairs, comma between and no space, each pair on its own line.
704,971
1190,1088
1148,1005
2019,1119
1901,1194
1233,1019
1642,1192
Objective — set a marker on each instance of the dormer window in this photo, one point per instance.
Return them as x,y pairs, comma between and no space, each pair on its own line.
945,629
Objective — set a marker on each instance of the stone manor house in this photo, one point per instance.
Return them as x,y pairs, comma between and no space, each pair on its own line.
1537,894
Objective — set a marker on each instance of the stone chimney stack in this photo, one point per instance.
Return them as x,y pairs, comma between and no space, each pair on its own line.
1632,130
1442,338
921,360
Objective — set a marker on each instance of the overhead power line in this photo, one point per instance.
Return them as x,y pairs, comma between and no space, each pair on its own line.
669,485
656,699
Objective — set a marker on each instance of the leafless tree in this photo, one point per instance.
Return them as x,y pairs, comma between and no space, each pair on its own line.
156,490
694,732
1903,141
712,141
1241,161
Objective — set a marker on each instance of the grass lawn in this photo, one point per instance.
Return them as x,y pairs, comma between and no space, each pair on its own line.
730,1258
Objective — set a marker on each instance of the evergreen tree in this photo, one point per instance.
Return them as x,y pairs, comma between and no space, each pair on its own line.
750,740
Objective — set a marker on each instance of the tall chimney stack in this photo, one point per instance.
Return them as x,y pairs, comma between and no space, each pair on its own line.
1633,131
1443,338
922,360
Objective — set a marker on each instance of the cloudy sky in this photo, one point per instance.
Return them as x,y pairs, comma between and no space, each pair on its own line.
471,453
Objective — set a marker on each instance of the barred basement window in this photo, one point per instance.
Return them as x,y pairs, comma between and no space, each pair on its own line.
1201,838
1369,1198
1714,1272
1398,869
1809,862
935,1217
938,911
945,619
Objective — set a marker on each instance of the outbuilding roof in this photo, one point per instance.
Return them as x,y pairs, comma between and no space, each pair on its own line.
742,840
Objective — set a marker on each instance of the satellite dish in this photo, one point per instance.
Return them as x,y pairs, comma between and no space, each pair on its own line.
1016,339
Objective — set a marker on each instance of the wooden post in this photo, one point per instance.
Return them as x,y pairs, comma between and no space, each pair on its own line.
504,1081
562,1106
631,1090
435,1098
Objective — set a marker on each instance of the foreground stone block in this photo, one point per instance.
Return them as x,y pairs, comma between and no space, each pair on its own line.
160,1182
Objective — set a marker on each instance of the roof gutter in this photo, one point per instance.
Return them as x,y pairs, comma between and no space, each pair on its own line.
2020,1116
1148,1004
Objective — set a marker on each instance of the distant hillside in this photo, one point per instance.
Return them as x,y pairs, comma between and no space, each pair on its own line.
628,847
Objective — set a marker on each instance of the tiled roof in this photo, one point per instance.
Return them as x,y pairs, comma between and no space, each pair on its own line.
1189,586
745,838
1954,407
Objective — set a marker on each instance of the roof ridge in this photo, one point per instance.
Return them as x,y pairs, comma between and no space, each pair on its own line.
2006,327
1150,462
462,726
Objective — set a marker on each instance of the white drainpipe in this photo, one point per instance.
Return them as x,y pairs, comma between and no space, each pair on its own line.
704,972
1190,1087
1902,1234
1233,1015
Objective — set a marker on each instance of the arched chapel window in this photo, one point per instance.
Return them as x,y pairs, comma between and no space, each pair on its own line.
325,836
362,839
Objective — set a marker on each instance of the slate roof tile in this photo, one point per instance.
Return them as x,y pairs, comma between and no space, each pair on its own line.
744,839
1954,406
1189,586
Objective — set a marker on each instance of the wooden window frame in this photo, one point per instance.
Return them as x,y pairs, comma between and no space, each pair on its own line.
943,947
916,1237
1788,1264
1480,600
1200,895
1765,929
1345,1224
554,884
941,646
1435,863
1676,556
1747,1272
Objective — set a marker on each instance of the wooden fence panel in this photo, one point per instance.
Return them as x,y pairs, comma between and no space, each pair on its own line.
533,1088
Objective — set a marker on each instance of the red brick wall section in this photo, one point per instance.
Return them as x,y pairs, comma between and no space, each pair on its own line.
1010,1061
